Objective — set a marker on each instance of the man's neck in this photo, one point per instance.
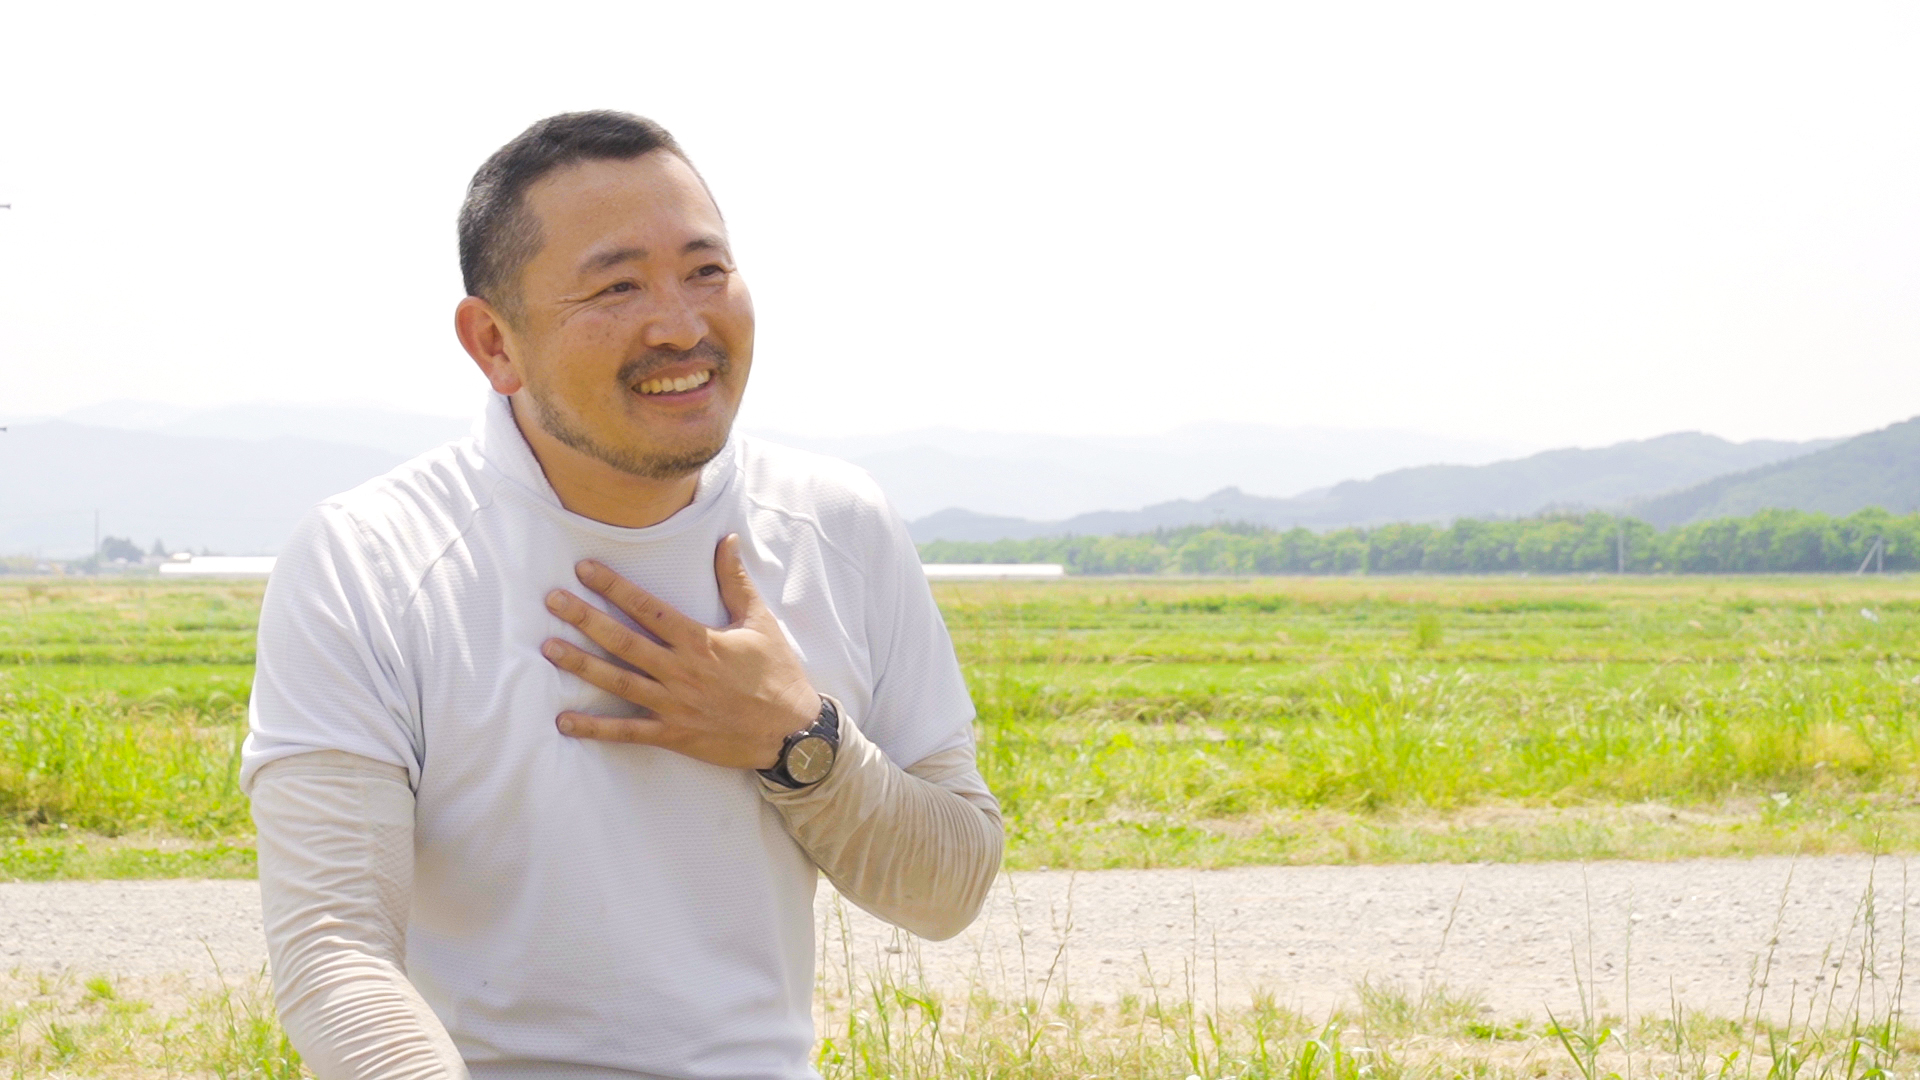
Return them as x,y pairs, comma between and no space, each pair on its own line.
594,489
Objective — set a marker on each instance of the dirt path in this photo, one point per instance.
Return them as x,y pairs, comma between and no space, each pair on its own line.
1700,932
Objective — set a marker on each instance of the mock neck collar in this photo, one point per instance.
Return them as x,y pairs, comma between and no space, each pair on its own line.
501,443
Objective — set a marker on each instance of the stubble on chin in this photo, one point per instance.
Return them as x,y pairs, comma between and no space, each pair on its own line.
553,418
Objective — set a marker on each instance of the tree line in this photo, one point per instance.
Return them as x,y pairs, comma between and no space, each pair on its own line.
1771,541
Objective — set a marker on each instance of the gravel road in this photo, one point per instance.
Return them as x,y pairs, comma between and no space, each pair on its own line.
1521,937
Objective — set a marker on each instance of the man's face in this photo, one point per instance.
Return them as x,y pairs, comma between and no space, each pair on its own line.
635,331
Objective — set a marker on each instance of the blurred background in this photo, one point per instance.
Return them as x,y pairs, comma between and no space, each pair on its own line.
1041,268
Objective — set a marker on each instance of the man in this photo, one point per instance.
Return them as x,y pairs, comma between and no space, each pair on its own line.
553,726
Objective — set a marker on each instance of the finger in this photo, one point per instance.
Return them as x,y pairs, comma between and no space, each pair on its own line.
608,632
737,590
658,616
619,729
634,686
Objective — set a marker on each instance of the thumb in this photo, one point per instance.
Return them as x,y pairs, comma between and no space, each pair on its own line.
736,587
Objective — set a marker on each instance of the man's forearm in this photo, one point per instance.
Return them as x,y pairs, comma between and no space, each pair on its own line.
918,847
336,877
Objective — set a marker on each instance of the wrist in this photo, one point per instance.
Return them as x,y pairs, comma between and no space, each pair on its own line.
799,712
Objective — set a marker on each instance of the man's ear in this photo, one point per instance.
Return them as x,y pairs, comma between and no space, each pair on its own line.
483,333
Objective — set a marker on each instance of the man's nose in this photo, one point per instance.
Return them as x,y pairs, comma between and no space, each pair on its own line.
678,323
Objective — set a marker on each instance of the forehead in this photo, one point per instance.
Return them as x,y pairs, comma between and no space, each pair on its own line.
654,201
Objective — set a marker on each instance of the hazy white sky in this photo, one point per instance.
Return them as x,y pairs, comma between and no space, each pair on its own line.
1548,223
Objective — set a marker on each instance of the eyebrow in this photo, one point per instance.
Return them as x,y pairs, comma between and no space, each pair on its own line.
608,259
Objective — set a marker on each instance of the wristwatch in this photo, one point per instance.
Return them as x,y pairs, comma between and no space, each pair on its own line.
807,756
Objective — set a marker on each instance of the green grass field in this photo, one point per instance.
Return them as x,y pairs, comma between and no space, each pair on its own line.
1214,723
1159,722
1124,723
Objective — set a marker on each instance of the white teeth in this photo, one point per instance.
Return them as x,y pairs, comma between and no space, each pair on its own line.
676,386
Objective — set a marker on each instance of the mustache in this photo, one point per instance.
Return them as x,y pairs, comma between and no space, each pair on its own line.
644,365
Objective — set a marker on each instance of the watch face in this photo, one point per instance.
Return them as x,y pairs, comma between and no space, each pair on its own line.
810,759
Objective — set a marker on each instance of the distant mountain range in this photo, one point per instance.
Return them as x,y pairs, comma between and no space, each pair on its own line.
399,433
225,495
234,480
1880,468
1611,476
1051,477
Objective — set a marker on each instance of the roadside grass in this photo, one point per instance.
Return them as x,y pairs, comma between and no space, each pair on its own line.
1021,1016
878,1018
882,1024
1389,1032
1159,722
69,1026
127,858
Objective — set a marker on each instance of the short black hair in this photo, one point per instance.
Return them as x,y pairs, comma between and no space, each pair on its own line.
497,235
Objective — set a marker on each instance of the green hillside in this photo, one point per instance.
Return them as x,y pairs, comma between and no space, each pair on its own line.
1881,468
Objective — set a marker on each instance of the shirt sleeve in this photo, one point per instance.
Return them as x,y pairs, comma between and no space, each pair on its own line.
329,673
336,883
918,847
920,705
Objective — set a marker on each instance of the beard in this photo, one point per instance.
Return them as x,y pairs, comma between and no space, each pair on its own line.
665,464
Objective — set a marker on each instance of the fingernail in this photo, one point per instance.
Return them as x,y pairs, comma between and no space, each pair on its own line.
566,725
552,650
586,568
556,600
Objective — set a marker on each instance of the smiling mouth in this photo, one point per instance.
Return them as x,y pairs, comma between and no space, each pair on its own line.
680,385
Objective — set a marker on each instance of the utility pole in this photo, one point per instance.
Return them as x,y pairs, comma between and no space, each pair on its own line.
1620,546
1876,557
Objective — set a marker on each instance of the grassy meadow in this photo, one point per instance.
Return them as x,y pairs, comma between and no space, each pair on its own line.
1380,719
1144,722
1158,722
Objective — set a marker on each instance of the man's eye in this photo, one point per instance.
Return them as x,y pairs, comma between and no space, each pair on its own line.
711,270
620,287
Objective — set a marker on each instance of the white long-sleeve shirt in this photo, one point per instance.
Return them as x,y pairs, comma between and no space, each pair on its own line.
918,847
581,908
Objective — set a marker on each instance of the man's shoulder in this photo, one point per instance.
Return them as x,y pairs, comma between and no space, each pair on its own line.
403,518
838,497
804,482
